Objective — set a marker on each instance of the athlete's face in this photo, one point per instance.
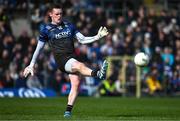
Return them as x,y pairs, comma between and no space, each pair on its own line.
56,15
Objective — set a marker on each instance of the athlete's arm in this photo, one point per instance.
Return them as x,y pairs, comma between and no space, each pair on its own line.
39,47
43,37
30,69
85,40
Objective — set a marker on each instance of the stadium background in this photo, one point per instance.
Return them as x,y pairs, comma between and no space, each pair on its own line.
151,26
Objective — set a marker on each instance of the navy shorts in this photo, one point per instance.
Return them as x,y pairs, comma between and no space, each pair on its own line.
61,60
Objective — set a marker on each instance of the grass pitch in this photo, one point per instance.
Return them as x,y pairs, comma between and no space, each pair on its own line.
88,108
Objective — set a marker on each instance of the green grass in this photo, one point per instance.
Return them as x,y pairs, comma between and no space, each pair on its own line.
91,109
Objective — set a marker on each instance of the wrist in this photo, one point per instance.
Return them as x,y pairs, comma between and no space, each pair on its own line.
31,65
97,37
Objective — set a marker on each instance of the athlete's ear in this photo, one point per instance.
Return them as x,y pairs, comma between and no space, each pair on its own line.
50,13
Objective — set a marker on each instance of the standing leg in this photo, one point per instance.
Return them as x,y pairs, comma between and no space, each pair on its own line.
75,82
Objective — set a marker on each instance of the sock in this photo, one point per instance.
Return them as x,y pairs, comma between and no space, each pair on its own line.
69,108
94,73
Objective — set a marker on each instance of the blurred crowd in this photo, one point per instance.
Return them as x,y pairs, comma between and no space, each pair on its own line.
156,33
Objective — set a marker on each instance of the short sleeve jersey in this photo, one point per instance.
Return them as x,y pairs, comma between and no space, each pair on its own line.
60,37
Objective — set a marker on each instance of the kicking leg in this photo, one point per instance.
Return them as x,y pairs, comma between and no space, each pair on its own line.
74,66
81,68
84,70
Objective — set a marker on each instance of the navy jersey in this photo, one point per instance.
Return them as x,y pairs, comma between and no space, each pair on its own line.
60,37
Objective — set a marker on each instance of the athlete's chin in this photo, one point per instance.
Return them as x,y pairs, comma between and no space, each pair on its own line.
59,21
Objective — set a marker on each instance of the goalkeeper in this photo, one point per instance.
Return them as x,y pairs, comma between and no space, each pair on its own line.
59,34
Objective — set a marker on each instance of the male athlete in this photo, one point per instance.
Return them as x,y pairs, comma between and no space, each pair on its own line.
59,34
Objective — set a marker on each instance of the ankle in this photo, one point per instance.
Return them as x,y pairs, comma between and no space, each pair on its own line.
69,108
94,73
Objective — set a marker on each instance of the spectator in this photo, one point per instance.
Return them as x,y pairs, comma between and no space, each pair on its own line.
108,88
167,56
153,83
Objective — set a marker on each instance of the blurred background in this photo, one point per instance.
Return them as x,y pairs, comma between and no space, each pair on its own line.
150,26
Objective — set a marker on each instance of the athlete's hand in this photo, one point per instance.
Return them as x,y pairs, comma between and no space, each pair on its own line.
28,70
102,32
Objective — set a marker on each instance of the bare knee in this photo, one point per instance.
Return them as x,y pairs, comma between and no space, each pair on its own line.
77,66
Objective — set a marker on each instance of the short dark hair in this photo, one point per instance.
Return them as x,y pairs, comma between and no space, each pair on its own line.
55,6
